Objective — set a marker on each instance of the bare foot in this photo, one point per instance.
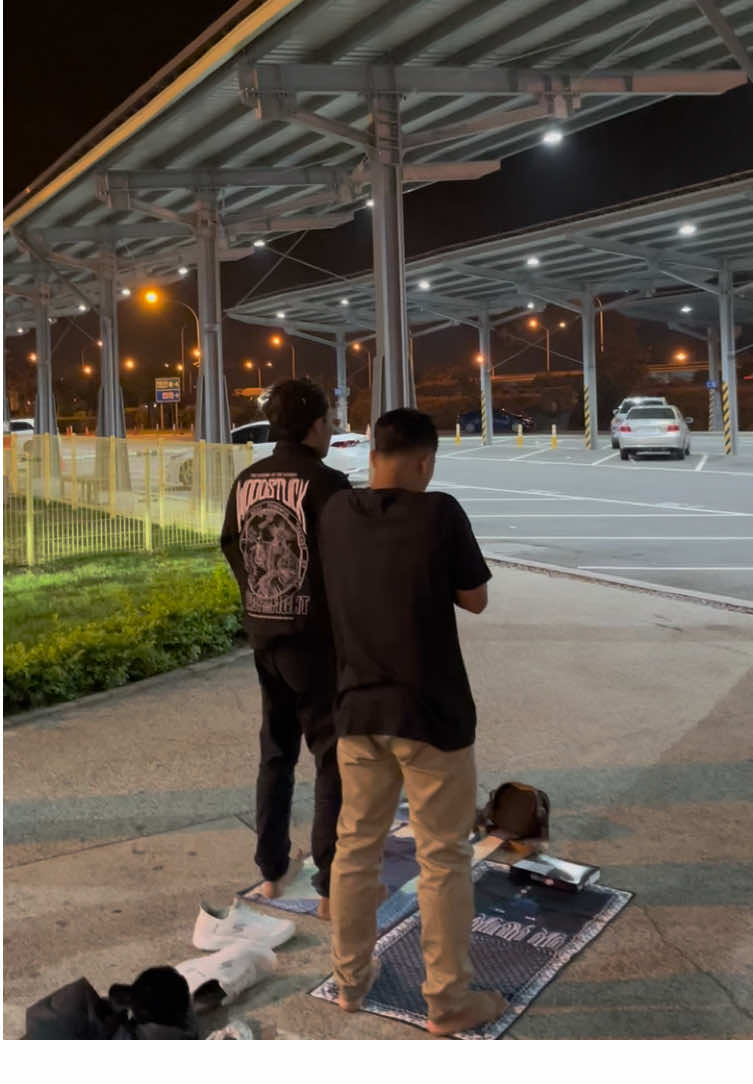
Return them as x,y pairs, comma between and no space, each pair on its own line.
272,889
481,1007
354,1005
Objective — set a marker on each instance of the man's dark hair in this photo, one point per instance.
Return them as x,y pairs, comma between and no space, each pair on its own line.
293,407
404,431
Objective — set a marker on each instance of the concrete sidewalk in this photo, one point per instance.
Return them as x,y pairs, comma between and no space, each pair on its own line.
632,711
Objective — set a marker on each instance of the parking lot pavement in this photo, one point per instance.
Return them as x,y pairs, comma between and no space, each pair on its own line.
123,811
686,525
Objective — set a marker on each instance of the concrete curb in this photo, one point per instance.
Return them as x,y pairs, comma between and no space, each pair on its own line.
12,721
720,602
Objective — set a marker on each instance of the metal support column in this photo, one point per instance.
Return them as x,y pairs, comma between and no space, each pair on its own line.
45,414
394,385
341,391
212,416
590,401
729,362
110,409
485,377
714,379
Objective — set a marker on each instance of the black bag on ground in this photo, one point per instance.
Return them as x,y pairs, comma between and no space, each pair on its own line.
517,811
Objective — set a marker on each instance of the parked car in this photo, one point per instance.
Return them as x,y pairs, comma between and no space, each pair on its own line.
654,429
348,452
619,413
505,421
19,425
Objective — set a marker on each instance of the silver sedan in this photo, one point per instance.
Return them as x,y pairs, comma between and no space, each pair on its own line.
654,429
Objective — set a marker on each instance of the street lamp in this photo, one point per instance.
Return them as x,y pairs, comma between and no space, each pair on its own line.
278,341
154,297
681,355
357,347
129,363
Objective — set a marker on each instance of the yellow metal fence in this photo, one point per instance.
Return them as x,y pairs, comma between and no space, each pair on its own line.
65,496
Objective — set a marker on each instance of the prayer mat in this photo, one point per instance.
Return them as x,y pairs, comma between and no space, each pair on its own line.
522,937
399,876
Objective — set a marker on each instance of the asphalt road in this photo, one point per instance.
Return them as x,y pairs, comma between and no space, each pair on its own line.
682,524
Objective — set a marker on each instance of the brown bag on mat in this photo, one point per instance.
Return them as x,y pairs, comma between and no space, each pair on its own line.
518,811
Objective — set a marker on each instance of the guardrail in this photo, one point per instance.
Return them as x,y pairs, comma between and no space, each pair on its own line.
68,496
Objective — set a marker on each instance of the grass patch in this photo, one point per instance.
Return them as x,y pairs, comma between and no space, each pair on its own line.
87,625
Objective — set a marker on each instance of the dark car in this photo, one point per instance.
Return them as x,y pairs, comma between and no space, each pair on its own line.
504,421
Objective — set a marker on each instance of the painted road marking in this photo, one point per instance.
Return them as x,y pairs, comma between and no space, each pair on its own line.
610,515
667,568
604,459
611,538
702,464
610,466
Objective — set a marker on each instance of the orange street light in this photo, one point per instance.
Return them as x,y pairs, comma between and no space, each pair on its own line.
356,347
32,357
680,355
87,370
248,364
479,359
277,340
129,363
151,297
533,323
562,324
179,368
196,352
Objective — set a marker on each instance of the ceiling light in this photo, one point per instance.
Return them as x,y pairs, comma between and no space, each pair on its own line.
424,284
369,203
258,243
687,229
83,308
182,270
125,292
20,330
344,301
530,305
280,315
686,308
533,261
552,136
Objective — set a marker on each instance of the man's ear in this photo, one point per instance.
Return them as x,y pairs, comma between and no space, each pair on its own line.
372,458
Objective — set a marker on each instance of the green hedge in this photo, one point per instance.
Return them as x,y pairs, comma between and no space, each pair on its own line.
179,623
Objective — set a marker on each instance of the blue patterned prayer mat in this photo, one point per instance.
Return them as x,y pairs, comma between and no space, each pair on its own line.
522,937
399,875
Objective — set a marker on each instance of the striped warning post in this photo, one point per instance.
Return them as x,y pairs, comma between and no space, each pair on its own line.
726,419
484,420
587,416
712,393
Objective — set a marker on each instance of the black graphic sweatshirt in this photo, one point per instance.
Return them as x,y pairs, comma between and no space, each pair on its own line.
269,539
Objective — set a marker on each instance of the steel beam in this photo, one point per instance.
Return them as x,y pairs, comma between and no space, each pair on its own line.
724,31
341,391
285,81
485,378
715,393
497,120
277,224
45,413
206,180
729,361
393,388
110,410
431,172
212,422
655,258
107,236
590,400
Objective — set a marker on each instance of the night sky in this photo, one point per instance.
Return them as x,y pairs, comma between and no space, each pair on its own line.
68,64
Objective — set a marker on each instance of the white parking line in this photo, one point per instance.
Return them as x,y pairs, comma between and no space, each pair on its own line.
536,451
611,466
596,462
667,568
610,538
611,515
702,462
599,500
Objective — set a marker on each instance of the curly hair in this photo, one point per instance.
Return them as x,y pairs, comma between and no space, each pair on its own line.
293,407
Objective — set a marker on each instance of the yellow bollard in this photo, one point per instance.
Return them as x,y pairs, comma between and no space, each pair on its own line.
554,436
457,432
519,438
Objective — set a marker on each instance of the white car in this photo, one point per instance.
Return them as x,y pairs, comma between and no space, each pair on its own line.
654,429
348,452
620,413
24,426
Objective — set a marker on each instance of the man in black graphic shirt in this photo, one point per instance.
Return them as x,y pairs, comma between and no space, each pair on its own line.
270,541
397,560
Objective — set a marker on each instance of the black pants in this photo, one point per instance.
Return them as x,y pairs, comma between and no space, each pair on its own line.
297,693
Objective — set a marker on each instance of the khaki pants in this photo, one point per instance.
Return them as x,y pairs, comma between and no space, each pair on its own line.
441,792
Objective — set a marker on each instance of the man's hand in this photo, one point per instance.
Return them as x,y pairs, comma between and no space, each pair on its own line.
474,600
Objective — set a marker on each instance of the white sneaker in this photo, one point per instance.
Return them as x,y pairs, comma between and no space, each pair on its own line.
235,968
216,928
236,1029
